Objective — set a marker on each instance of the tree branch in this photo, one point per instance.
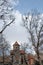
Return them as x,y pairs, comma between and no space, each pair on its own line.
39,35
6,26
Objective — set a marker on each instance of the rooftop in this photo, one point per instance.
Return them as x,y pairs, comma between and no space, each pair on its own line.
16,44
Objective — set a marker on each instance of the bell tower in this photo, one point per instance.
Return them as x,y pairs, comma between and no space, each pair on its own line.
16,46
16,49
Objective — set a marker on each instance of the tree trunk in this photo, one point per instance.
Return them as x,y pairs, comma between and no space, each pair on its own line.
38,57
3,56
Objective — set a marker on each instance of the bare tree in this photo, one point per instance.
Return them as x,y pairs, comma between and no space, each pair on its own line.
24,46
4,47
6,14
7,17
34,27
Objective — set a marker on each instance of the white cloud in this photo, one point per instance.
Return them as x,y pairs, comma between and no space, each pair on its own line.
14,2
15,32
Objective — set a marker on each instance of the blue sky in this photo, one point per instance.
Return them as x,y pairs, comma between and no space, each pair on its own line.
27,5
15,32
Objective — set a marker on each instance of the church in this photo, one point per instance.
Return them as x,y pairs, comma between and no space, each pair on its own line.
17,57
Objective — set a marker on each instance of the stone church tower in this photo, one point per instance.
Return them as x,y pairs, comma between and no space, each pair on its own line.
16,46
16,53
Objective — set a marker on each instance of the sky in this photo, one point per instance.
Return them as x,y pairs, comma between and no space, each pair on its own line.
15,32
28,5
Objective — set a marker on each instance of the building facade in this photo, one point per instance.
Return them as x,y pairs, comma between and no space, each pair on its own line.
17,57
